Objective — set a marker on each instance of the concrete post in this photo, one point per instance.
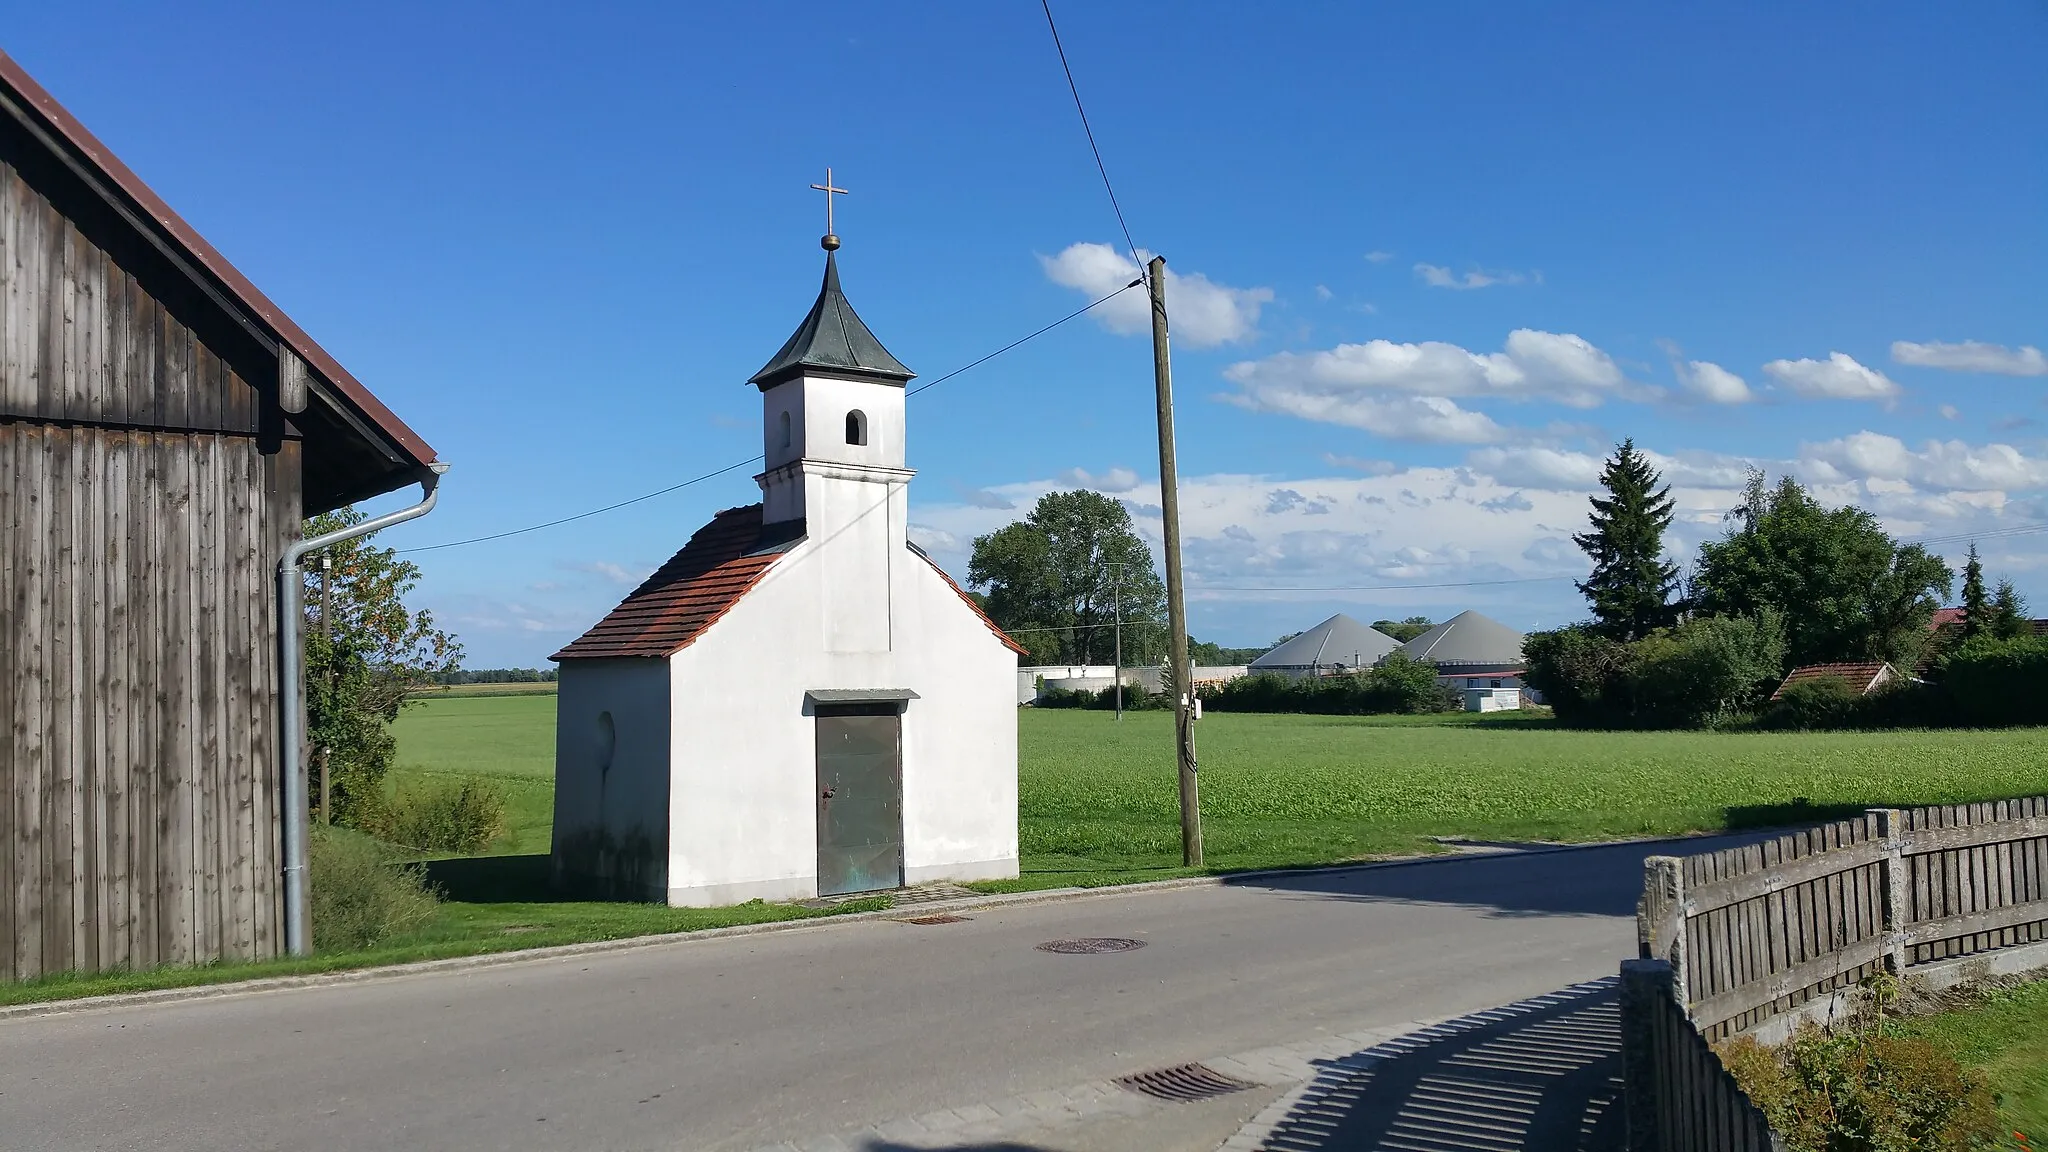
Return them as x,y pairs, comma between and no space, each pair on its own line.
1645,992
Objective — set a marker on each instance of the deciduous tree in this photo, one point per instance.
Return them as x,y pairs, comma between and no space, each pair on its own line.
1059,576
1845,589
379,650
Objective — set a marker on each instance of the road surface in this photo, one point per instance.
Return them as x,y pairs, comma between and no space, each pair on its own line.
735,1043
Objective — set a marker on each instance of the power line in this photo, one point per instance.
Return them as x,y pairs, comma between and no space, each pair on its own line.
756,459
1372,587
1099,165
933,383
582,515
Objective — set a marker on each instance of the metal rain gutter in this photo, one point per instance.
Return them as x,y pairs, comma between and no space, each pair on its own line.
298,923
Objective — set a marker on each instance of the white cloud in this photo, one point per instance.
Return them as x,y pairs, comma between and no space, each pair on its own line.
1548,469
1950,465
1437,276
1839,377
1430,419
1406,391
1203,313
1323,292
1948,412
1378,257
1972,356
1711,382
1113,481
616,573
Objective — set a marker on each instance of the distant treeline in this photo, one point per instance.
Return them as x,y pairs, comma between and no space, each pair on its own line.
495,676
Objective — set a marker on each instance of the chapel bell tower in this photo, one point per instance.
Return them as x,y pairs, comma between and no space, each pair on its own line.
832,412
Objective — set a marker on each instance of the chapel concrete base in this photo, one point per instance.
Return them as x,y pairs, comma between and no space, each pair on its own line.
806,887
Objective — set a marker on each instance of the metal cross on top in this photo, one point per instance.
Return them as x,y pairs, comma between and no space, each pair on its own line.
830,240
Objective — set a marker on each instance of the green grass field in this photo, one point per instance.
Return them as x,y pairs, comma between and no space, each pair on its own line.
1098,802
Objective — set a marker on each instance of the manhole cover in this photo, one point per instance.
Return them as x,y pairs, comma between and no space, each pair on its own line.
937,918
1183,1082
1091,946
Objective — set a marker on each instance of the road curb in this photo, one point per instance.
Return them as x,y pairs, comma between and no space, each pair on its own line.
265,984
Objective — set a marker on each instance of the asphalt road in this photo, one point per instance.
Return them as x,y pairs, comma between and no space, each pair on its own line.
739,1042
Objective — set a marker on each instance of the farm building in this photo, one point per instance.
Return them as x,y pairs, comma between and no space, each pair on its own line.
1862,679
163,430
1339,644
1480,657
799,703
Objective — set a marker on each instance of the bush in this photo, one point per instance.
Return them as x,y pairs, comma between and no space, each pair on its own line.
1992,682
1819,703
358,897
1397,685
1703,672
1863,1091
442,815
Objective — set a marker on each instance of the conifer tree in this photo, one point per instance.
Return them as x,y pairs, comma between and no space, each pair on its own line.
2008,613
1976,605
1630,588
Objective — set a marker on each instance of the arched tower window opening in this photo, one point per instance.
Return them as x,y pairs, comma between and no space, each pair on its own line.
856,428
785,429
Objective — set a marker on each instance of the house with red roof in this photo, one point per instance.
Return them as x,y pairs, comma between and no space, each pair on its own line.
800,702
1862,678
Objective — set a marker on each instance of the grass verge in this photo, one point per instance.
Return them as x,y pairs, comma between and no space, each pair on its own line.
2004,1035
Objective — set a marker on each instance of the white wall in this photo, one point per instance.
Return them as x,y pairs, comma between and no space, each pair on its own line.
742,801
608,831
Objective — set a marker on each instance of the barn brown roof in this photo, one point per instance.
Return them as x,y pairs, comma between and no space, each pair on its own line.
87,149
1861,677
721,563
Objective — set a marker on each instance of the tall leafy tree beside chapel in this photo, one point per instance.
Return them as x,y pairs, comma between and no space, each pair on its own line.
1631,585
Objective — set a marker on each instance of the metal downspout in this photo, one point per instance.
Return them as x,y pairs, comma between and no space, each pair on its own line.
298,925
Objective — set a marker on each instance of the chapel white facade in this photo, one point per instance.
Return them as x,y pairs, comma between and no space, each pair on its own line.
800,702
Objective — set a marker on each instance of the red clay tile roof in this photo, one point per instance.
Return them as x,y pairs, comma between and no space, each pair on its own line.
1945,617
1012,645
697,586
1861,677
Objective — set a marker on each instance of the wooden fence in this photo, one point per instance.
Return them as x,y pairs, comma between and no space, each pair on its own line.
1678,1097
1756,931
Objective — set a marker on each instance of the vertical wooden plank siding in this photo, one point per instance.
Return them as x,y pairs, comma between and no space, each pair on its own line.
138,678
140,524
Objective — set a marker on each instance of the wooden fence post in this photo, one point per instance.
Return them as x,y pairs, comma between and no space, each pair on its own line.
1660,920
1892,881
1645,986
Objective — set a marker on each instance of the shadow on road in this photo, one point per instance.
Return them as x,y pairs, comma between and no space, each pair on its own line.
1540,1074
999,1146
1604,880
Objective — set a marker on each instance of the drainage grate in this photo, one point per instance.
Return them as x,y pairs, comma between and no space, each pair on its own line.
1091,946
937,918
1183,1082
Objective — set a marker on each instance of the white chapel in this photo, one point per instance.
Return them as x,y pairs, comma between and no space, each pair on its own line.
799,703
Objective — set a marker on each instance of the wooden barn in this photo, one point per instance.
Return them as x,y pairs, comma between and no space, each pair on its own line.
163,430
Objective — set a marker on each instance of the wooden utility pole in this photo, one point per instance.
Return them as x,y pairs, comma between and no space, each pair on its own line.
1116,597
1176,605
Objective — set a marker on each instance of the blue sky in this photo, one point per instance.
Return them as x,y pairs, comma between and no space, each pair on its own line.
1430,263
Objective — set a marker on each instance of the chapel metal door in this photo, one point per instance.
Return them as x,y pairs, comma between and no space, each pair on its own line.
860,799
